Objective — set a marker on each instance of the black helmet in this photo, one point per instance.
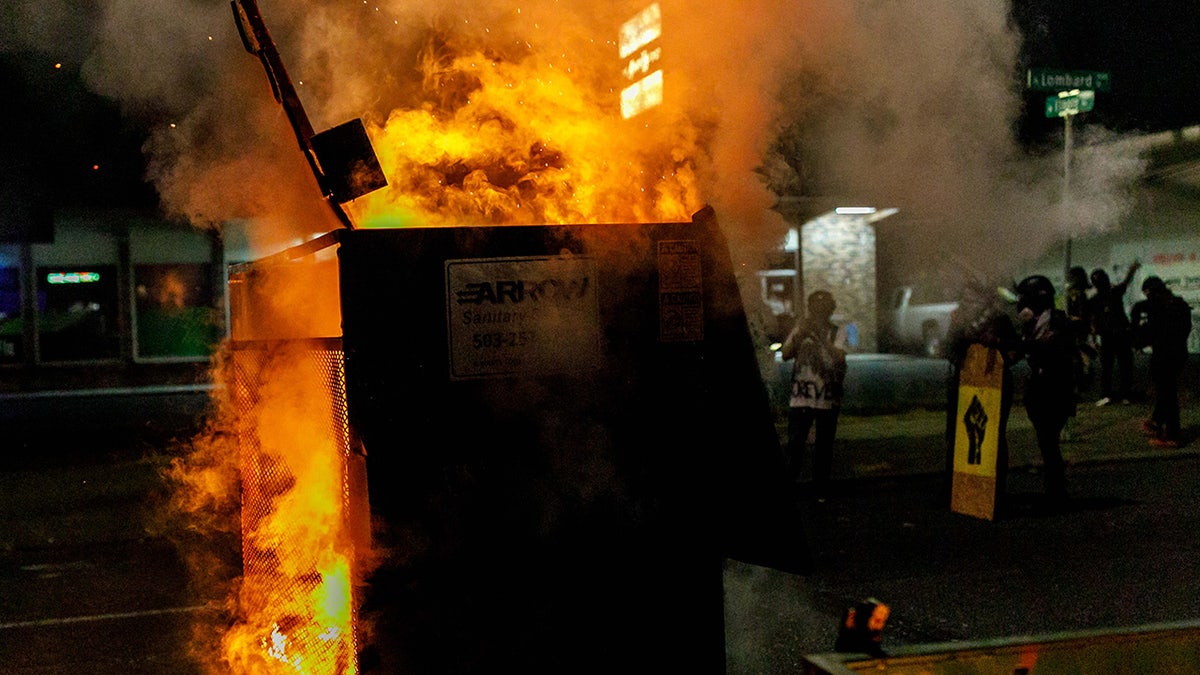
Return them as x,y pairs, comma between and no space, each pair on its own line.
1077,278
1035,292
821,303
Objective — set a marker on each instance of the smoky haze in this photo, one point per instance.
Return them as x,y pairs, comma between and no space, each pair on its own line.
911,105
895,104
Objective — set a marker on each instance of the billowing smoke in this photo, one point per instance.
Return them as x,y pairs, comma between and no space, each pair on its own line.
905,104
896,104
914,105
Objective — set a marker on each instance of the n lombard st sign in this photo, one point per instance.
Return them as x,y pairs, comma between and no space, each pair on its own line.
1057,79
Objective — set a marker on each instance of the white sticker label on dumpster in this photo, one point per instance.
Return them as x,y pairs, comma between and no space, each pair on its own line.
680,292
521,316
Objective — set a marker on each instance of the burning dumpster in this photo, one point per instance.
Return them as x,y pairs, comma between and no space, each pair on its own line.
541,442
483,442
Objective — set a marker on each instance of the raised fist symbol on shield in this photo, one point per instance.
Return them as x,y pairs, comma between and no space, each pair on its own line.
975,420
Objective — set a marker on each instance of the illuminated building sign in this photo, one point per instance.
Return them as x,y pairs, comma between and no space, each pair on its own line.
73,277
641,30
642,95
637,34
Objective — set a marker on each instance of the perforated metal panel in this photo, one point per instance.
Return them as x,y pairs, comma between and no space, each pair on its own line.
540,491
299,502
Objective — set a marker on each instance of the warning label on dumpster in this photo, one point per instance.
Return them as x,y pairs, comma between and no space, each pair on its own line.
521,316
680,297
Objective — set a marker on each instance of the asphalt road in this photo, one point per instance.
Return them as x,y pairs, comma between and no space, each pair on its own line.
94,580
89,582
1126,553
88,585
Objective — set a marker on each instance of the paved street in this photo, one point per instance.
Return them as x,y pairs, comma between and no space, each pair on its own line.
1125,554
91,582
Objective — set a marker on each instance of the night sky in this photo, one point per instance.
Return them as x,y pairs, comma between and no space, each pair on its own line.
1151,48
57,126
62,145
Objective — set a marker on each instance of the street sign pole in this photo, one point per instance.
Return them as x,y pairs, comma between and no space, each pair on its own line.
1066,195
1066,157
1067,104
1075,92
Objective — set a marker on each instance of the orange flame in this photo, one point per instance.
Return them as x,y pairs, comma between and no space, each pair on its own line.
296,599
294,606
501,136
527,139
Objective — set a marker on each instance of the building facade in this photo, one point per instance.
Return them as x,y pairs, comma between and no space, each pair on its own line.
112,299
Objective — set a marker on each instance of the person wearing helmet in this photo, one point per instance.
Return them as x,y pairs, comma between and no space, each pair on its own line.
984,316
1163,322
818,347
1049,346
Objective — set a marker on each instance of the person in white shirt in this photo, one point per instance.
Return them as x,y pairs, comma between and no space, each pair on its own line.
817,348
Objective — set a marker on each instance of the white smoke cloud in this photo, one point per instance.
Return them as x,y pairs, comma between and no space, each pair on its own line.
901,104
915,105
59,28
908,104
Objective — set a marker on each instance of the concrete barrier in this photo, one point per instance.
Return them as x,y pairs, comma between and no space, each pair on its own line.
1157,648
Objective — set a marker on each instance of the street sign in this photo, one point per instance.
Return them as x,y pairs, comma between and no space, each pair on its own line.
1057,79
1061,106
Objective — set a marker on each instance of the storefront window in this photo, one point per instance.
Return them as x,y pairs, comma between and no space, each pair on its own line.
77,313
11,326
175,314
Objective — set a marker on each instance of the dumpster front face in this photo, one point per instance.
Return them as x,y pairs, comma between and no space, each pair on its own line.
550,434
560,431
562,425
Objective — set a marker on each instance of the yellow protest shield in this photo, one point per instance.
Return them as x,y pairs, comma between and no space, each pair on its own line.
977,430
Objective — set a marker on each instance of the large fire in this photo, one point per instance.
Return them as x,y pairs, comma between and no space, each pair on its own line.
301,553
516,136
500,135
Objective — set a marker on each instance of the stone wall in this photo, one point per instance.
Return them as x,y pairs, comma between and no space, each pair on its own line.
839,256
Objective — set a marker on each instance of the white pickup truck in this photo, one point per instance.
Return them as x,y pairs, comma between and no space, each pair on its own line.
917,327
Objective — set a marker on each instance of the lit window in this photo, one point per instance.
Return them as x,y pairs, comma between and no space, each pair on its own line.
175,314
77,313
